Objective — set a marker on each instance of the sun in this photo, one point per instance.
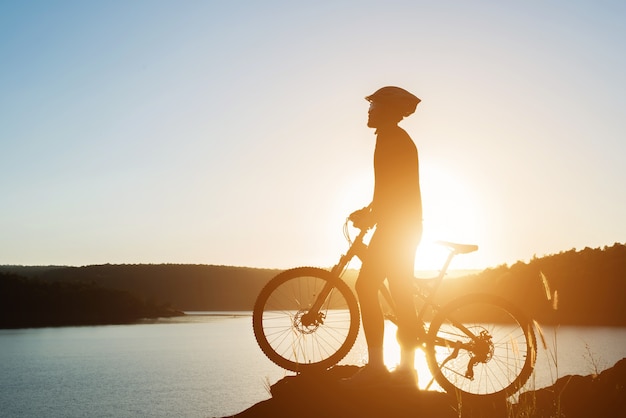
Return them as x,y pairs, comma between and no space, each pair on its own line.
451,212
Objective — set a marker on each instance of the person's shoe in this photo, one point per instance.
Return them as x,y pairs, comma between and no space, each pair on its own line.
367,376
404,377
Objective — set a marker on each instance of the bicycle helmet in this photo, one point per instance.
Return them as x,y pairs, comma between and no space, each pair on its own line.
395,97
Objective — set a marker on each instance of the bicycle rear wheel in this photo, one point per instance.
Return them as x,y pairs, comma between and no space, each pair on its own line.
296,339
481,345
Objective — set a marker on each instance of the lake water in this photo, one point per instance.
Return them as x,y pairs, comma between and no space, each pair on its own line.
198,366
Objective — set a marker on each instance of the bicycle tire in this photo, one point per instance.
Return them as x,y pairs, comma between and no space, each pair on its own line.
499,360
281,333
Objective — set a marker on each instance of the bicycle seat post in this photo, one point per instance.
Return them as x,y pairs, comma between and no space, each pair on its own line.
454,249
443,271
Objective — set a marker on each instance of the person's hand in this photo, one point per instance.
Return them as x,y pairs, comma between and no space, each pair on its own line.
362,218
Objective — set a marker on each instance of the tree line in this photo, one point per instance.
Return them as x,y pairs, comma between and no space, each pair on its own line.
28,303
586,287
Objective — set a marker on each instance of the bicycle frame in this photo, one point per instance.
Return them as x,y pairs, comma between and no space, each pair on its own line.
358,249
427,296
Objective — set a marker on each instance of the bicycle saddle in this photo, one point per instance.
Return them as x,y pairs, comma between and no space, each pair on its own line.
459,248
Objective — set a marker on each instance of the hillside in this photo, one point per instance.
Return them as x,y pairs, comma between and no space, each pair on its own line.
28,303
186,287
587,287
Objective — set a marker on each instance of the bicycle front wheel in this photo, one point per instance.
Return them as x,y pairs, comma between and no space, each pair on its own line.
481,345
293,336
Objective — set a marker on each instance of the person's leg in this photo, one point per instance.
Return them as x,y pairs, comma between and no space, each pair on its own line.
367,285
408,331
369,281
401,286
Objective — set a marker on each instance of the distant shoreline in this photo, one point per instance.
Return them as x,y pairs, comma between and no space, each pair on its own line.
33,303
236,313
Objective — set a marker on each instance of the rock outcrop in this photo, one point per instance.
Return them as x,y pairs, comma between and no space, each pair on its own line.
575,396
322,395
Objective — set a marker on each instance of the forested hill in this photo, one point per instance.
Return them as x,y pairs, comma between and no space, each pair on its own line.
26,303
586,287
186,287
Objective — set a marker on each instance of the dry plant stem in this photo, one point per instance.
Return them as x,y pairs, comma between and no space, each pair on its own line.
596,366
267,385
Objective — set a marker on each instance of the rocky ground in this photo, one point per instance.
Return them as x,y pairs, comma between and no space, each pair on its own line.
322,396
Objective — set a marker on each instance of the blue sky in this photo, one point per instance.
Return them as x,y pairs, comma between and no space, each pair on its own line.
234,132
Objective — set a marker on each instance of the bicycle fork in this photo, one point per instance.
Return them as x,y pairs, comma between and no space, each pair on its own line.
314,316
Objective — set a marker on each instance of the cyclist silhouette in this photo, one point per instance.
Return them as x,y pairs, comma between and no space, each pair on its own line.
396,210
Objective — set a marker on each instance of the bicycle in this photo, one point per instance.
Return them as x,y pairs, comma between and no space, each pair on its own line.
478,345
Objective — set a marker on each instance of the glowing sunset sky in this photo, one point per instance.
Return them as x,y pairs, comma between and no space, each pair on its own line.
233,132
